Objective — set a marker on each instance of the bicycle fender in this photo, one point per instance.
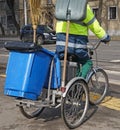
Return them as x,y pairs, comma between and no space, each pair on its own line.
71,82
94,69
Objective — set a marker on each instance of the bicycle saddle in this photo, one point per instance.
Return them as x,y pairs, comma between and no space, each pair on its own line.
70,57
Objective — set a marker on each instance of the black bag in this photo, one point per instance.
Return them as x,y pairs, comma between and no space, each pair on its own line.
73,10
22,46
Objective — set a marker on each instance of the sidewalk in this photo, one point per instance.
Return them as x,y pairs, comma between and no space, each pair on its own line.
9,38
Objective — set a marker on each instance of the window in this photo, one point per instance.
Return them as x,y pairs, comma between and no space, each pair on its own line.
10,22
49,2
95,11
112,13
3,20
9,19
2,5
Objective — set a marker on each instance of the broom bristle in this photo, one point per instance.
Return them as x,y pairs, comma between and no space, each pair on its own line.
35,9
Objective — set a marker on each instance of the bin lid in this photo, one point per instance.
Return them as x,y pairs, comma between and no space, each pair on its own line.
27,47
22,46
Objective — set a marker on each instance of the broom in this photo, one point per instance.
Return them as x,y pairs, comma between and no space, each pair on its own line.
35,9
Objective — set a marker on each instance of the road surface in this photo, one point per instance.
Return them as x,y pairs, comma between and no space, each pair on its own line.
105,116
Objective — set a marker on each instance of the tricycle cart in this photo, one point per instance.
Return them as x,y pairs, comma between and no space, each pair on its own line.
34,76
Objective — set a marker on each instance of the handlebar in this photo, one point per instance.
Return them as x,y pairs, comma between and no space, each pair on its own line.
94,46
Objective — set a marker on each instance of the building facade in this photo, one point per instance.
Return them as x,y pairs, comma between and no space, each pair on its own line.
22,14
110,15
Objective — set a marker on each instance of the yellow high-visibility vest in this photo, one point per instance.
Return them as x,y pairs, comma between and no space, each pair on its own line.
81,28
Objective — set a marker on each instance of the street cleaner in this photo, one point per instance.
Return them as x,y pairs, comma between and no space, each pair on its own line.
78,39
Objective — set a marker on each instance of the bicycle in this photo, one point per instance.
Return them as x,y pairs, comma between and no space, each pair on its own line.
97,79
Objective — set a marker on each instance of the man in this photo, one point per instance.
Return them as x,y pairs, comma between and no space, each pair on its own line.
78,39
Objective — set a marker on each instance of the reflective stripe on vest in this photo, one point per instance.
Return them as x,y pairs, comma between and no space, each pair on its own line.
70,44
91,21
86,24
80,23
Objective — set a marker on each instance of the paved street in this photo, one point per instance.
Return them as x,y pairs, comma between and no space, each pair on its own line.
105,116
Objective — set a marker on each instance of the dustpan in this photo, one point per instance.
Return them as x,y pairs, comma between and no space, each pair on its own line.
69,10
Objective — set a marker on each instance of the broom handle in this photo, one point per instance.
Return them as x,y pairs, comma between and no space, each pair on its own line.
65,55
34,36
34,33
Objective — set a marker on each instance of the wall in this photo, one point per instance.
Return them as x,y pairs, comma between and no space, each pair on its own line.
111,26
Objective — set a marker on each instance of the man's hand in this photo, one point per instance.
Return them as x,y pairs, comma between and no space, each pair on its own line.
106,40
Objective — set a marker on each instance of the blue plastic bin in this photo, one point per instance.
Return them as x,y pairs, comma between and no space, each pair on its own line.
27,73
56,74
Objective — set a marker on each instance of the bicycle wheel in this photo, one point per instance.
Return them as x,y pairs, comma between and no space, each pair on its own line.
75,103
30,112
98,86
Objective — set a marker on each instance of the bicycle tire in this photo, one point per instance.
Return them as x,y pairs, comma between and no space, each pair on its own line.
74,105
98,85
30,114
